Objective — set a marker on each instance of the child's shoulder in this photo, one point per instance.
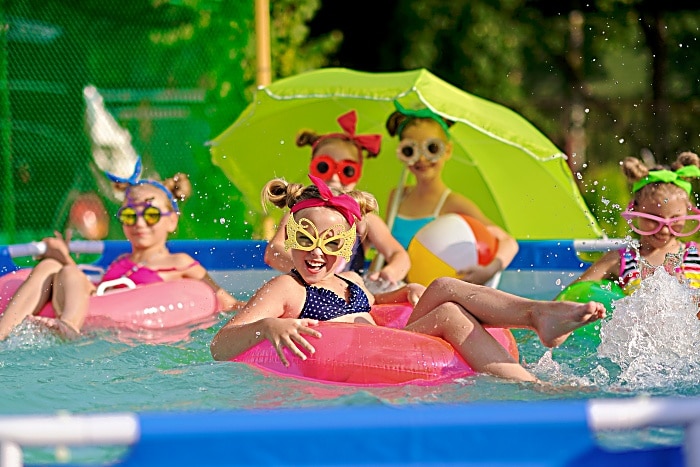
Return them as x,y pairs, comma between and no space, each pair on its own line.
182,259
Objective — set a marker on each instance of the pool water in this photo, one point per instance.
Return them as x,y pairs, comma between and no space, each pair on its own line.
100,373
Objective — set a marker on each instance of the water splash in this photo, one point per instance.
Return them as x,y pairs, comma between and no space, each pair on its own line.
654,334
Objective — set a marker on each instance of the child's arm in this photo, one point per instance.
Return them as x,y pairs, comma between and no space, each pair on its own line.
607,267
226,301
397,261
191,269
57,248
507,245
275,256
268,315
506,251
409,293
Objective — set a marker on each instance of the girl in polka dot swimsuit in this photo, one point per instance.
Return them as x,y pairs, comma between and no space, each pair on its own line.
322,228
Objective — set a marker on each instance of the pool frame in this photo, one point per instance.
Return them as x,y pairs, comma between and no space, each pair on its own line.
507,433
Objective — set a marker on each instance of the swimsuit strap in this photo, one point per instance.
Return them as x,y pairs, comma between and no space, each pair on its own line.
191,265
295,274
441,202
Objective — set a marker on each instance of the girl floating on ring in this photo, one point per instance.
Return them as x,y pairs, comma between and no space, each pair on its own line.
320,232
148,214
662,211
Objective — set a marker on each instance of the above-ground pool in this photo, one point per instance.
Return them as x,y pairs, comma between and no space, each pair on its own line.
140,404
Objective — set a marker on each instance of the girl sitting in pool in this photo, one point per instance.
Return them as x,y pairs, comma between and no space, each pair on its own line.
337,159
425,147
662,211
148,214
322,230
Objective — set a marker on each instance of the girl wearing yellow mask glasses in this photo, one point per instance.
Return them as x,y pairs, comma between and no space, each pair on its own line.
321,229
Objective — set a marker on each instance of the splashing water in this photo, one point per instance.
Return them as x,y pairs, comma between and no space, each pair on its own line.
654,334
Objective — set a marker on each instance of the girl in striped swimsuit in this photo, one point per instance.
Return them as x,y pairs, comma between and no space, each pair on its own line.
661,212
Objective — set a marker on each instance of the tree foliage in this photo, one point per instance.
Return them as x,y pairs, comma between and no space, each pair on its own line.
630,64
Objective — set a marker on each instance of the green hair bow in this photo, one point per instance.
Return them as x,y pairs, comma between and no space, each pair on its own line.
419,113
668,176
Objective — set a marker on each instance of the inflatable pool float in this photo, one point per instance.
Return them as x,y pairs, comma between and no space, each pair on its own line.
604,291
159,312
448,244
362,354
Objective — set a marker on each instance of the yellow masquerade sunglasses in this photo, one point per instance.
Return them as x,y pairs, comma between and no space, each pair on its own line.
304,235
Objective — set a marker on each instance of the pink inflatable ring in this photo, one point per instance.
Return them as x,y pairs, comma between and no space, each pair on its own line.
159,312
358,354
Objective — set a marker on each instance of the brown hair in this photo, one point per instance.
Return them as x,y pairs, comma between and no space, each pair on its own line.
179,185
635,170
397,119
309,138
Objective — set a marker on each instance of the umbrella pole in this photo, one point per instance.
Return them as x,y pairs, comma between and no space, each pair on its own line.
262,42
379,261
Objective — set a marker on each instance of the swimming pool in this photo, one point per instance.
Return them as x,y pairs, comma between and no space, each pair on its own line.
179,404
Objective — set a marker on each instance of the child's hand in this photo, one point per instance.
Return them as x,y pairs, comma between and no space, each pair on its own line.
286,332
414,292
386,274
476,274
57,248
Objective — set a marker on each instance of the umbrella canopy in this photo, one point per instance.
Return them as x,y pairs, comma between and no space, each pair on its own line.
502,162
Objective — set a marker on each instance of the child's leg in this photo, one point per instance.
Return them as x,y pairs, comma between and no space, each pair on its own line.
30,297
553,321
72,291
484,354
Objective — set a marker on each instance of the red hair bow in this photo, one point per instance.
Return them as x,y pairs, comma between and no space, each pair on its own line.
344,204
348,122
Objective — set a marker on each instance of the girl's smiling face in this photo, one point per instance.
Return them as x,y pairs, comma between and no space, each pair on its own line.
315,265
674,205
142,235
421,131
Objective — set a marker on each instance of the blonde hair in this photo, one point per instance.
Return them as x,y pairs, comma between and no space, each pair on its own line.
282,194
635,170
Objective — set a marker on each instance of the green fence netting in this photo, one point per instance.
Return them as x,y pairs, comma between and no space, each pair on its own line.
87,85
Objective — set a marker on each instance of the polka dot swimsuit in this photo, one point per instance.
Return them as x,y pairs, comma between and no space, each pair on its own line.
323,304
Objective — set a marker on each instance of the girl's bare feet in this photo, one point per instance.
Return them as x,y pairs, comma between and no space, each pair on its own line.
554,321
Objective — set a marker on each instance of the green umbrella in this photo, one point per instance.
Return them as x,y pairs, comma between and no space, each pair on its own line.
502,162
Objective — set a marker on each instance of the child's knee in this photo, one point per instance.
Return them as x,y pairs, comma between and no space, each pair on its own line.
46,266
72,275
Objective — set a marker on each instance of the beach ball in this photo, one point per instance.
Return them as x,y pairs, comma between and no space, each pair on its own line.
448,244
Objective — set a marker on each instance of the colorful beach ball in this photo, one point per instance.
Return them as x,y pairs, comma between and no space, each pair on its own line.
450,243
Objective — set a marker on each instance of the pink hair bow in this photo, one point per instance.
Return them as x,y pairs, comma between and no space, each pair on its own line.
348,122
344,204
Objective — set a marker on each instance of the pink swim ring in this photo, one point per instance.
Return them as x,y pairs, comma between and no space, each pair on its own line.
358,354
158,312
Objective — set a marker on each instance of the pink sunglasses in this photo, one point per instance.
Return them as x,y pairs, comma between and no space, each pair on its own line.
649,224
